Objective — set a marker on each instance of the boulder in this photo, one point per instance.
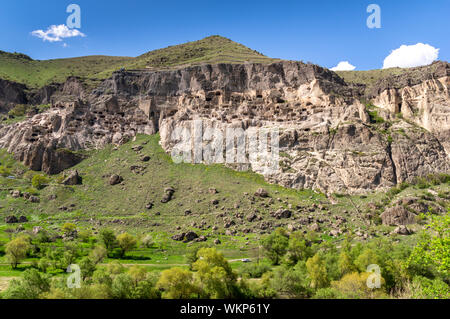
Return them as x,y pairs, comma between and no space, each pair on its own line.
34,199
178,237
11,219
282,213
115,179
396,216
15,194
37,230
23,219
314,227
402,230
73,179
190,236
261,192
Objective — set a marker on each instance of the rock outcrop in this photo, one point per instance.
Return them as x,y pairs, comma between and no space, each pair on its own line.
328,138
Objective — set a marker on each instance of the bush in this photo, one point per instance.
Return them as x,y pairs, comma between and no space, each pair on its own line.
68,228
255,270
276,245
126,242
4,171
18,110
39,181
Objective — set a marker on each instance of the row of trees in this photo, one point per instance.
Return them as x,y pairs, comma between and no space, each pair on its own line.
307,268
299,266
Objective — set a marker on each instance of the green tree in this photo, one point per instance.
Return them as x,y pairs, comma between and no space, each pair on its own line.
98,254
345,263
67,228
433,249
108,239
30,286
126,243
39,181
291,281
317,272
87,267
16,250
354,286
298,248
367,257
275,245
122,286
214,274
177,283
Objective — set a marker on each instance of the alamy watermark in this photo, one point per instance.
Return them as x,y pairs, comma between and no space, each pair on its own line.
231,145
374,20
374,279
74,279
74,19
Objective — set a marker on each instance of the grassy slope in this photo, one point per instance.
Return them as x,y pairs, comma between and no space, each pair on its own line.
98,204
214,49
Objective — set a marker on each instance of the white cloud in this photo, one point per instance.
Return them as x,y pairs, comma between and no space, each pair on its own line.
408,56
343,66
56,33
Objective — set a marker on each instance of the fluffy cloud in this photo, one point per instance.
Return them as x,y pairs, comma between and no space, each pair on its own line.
408,56
57,33
343,66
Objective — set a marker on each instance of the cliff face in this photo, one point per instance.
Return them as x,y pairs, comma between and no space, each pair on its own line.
329,140
11,94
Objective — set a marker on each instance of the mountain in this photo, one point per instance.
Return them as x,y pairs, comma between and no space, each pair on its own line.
352,134
20,68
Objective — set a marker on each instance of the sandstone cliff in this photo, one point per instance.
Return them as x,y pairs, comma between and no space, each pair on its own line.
329,139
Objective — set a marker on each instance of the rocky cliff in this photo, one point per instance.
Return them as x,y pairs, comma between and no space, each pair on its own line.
334,136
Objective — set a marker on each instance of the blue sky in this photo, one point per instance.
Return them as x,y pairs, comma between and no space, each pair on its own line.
322,32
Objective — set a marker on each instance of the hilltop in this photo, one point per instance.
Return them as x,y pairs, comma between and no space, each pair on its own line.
21,68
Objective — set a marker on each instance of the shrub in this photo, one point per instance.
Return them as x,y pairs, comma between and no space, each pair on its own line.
126,242
18,110
276,245
39,181
16,250
4,171
255,270
68,228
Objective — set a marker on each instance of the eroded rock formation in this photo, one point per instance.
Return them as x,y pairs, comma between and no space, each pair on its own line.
328,138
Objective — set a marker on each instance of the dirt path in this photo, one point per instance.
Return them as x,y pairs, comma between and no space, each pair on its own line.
4,282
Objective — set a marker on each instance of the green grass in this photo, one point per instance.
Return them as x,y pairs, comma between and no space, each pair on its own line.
34,73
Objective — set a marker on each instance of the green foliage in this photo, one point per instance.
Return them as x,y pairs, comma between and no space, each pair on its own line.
254,270
108,238
31,286
214,274
298,248
177,283
275,245
19,110
433,249
317,271
354,286
291,282
16,250
425,288
68,228
126,242
39,181
122,286
4,171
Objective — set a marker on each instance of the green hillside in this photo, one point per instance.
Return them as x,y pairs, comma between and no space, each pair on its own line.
34,73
